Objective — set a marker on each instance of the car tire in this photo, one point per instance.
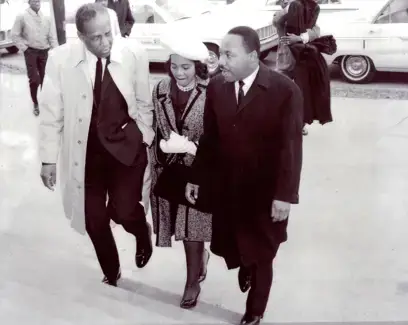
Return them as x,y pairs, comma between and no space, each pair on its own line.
12,49
357,69
213,64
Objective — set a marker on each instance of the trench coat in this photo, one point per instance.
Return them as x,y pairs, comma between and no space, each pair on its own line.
253,155
66,101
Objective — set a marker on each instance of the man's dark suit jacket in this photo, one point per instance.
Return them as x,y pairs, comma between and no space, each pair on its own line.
252,155
125,17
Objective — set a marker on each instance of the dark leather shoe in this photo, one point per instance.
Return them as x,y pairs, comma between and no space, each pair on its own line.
190,303
144,249
244,278
36,110
203,271
113,283
250,320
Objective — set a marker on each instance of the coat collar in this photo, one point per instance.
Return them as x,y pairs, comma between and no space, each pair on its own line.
164,97
78,52
261,82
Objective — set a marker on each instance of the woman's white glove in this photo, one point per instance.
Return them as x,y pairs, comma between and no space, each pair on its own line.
178,144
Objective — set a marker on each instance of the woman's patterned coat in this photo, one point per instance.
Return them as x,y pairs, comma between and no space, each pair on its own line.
190,224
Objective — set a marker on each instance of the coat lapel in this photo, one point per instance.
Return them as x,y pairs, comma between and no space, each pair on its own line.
84,71
195,95
260,83
164,97
230,98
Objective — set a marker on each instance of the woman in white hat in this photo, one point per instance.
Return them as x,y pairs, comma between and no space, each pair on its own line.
179,102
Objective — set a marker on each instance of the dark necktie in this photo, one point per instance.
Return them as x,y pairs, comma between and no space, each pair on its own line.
241,94
98,82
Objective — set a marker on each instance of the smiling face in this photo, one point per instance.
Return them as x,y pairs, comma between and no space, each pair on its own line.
182,69
97,35
235,61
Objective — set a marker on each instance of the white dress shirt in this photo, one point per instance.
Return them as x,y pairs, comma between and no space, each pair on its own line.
33,29
91,60
248,81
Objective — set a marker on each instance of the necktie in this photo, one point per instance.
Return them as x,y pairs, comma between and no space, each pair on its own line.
241,94
98,82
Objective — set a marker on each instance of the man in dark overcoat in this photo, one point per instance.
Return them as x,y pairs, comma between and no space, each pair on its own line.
125,16
251,150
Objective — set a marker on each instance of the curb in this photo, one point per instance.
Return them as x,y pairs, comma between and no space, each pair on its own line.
346,91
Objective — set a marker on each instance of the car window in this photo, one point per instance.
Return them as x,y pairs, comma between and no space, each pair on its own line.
146,14
395,13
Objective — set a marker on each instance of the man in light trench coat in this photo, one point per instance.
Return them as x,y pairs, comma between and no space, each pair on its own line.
97,122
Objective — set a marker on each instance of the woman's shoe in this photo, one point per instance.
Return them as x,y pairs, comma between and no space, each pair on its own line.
203,271
190,303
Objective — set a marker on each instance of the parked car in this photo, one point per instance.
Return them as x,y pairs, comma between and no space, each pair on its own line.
8,13
375,39
326,6
152,17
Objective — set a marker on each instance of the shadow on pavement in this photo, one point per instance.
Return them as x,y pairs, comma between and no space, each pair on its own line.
172,299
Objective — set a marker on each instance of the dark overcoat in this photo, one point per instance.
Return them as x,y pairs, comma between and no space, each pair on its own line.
125,16
311,73
253,155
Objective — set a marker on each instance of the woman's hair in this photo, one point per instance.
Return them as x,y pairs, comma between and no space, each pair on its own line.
201,69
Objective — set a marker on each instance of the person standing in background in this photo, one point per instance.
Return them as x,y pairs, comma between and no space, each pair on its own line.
32,33
310,72
115,28
125,17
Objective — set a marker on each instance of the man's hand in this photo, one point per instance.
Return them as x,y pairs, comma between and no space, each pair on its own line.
280,210
290,39
49,175
192,193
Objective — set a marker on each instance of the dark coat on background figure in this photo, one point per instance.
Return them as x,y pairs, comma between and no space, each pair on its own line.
125,16
311,73
253,155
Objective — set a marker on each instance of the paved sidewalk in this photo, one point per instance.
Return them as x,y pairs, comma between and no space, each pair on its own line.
345,260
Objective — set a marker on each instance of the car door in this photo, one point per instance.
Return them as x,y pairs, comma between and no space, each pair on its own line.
387,37
150,22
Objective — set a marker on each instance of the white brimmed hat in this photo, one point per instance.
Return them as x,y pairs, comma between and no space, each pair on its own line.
184,44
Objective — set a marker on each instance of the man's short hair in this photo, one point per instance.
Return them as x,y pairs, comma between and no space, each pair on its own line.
86,13
250,38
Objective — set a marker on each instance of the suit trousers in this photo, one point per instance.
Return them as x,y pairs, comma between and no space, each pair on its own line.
106,177
36,61
261,282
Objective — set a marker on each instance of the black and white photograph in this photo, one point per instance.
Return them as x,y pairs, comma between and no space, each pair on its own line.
204,162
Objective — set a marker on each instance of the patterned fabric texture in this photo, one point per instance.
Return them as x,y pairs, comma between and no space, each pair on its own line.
189,224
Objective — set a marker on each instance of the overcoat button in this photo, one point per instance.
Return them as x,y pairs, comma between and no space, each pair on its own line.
75,163
80,120
79,141
83,96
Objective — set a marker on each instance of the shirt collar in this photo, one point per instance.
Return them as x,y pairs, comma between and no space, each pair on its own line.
33,13
90,57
